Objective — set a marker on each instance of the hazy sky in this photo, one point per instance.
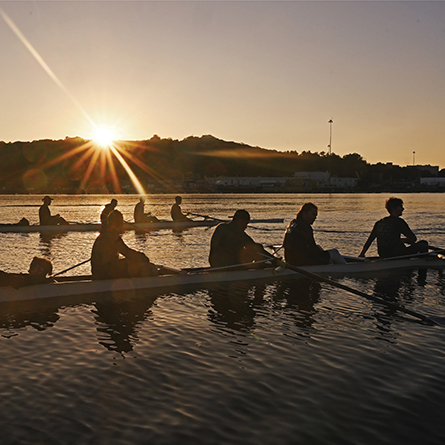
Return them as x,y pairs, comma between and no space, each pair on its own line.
269,74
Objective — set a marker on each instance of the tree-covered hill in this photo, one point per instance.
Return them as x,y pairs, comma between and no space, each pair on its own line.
75,165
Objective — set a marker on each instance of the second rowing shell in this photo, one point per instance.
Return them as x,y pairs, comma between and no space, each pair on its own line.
95,227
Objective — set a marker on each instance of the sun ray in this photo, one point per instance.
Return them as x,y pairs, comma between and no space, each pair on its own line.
43,64
89,170
103,162
90,152
138,186
142,165
103,139
113,172
67,155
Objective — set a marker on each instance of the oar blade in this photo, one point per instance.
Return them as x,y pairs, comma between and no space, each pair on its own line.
440,321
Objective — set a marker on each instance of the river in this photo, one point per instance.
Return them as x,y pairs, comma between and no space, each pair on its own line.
294,362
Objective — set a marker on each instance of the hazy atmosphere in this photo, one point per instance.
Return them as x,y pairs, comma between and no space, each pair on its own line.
269,74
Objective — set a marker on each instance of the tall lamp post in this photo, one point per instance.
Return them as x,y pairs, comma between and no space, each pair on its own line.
330,122
414,158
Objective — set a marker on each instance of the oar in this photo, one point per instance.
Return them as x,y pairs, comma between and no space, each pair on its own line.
71,268
260,228
164,270
355,259
428,319
204,216
232,266
350,259
415,255
275,247
220,220
161,269
138,227
437,249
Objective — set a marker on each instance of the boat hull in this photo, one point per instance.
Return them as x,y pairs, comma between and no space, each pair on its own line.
204,276
95,227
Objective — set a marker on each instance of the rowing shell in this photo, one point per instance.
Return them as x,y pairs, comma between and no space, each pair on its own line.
95,227
69,286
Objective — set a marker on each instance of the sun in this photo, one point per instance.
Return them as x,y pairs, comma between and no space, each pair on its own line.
104,137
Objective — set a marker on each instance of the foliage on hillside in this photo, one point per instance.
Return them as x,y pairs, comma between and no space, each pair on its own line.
75,165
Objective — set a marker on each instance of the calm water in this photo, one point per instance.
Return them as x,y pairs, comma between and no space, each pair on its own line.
267,363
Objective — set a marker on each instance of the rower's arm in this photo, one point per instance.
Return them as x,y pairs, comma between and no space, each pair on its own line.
409,235
369,241
127,252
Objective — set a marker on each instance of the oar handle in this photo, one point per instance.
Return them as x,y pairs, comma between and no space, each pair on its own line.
71,268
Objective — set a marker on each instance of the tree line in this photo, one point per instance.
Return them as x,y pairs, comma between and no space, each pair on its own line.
75,165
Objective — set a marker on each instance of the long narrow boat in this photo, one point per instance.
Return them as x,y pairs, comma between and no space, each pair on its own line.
68,286
95,227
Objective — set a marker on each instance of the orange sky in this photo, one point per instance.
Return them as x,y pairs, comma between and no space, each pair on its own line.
269,74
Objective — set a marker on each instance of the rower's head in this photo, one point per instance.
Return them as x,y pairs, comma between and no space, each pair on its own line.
241,218
113,203
47,200
178,199
308,212
115,222
40,267
394,206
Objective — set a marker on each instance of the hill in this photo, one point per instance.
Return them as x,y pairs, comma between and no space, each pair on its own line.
76,165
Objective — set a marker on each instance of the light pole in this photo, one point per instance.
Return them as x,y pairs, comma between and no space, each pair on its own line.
330,122
414,158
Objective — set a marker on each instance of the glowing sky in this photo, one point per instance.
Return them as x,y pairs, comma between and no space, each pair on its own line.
269,74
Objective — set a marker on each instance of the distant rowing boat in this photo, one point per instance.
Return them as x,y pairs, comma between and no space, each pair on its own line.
95,227
70,286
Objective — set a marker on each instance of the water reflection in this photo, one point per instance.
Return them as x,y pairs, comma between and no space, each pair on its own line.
46,239
300,296
440,281
233,305
117,321
39,314
141,236
398,289
118,316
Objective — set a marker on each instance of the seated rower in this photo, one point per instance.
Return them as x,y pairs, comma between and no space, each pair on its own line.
176,212
388,231
230,244
45,217
140,217
39,269
105,261
299,244
107,210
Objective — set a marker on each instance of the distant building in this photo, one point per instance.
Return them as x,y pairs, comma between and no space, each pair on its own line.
247,181
313,179
433,182
343,183
301,181
324,179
